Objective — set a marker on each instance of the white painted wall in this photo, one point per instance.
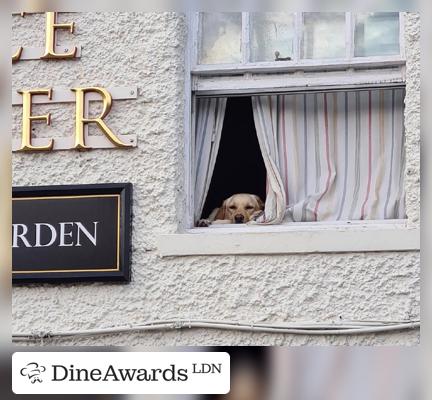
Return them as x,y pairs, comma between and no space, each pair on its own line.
147,50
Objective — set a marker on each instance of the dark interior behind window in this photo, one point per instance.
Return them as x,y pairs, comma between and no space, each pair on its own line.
239,165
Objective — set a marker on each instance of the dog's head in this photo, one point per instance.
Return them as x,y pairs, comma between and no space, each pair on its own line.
239,208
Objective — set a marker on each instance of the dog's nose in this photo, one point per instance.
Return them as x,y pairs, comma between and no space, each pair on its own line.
238,218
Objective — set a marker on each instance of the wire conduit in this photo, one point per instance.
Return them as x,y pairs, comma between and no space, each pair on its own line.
307,328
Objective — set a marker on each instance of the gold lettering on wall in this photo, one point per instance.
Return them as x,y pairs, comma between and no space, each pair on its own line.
80,139
17,55
28,119
50,39
81,119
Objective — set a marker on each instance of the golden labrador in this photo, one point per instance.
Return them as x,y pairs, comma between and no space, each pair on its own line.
237,209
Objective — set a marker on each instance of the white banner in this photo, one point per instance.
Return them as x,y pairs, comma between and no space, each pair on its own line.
121,372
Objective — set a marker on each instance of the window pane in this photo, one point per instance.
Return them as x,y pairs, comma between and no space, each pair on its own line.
323,35
364,143
376,34
221,38
271,33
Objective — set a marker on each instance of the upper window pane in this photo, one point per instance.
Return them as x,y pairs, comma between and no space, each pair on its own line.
376,34
272,36
221,38
323,35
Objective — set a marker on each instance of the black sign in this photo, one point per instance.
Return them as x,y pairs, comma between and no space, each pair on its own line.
71,233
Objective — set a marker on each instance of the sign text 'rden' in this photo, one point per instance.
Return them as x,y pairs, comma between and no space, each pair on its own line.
71,232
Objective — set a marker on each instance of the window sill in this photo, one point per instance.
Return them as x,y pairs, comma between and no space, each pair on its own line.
355,236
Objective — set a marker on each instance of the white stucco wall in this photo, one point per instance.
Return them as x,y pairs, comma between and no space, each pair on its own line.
147,50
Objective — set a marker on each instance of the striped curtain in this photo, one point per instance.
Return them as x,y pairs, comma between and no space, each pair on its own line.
339,155
210,114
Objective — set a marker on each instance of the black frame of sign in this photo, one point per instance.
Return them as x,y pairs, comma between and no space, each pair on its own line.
124,190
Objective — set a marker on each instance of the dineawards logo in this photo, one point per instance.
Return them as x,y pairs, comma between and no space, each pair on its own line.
61,373
121,373
33,371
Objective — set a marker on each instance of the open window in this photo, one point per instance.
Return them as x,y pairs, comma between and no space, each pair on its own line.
239,166
321,156
342,105
305,110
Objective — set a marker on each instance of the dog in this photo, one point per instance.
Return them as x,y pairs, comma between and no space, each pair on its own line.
238,209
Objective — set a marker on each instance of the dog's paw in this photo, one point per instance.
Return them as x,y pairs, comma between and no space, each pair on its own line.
202,223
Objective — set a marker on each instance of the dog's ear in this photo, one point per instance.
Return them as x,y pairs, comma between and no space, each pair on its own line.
221,214
259,201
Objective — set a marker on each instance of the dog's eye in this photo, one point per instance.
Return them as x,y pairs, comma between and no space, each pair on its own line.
249,208
232,207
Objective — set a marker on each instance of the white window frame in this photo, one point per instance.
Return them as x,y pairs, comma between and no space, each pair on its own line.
297,63
304,237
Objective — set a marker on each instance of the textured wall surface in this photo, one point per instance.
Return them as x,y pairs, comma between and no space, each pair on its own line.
147,50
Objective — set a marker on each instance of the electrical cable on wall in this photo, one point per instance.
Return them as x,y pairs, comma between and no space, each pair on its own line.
339,328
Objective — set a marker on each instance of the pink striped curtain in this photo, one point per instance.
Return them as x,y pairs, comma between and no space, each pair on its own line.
338,155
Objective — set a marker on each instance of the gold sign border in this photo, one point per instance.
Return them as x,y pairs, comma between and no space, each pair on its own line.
117,268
